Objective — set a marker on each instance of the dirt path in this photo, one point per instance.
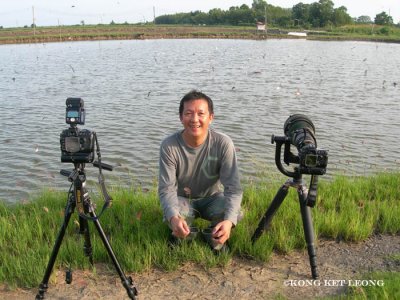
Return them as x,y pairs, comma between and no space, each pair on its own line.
241,279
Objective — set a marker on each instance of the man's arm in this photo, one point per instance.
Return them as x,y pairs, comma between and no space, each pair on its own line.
167,191
167,186
229,177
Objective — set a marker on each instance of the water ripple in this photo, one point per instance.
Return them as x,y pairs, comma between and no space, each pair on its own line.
132,91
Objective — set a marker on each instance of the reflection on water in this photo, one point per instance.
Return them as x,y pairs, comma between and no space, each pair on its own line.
132,90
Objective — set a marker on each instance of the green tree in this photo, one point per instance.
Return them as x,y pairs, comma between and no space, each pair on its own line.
321,13
341,17
383,19
279,16
315,15
200,18
301,13
239,16
364,19
216,16
326,11
258,5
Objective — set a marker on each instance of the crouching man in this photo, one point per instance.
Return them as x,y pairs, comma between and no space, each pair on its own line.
195,163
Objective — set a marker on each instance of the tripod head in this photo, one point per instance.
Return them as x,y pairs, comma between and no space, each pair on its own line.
78,178
305,165
80,167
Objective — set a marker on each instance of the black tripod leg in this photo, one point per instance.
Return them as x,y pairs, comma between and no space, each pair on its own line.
266,219
308,233
126,282
87,246
44,285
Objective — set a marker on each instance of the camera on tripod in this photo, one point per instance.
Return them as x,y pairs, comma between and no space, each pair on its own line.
300,132
77,145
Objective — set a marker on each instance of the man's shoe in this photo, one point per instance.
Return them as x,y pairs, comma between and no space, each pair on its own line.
214,245
224,249
173,241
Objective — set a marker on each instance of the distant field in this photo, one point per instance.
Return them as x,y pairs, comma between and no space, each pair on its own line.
115,32
126,32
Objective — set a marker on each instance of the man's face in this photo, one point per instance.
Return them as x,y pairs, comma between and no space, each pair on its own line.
196,118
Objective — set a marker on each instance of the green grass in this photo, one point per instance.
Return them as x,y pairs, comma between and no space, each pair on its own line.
364,32
347,208
380,286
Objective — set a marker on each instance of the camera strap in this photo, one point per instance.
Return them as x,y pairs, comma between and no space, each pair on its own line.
106,195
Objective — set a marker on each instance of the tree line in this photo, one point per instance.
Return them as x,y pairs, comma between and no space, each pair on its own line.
314,15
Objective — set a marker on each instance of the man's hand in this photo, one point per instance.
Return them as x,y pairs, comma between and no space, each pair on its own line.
222,231
179,227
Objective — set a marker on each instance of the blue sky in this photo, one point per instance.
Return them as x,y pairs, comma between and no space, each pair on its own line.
17,13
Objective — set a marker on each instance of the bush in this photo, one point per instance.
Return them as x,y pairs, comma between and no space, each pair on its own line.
384,30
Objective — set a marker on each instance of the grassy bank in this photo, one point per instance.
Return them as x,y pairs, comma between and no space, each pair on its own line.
348,208
390,289
150,31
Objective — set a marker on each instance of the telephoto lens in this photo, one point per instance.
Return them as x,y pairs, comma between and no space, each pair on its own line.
300,130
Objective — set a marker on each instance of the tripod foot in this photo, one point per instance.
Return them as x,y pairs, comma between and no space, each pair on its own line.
42,289
313,260
130,288
314,273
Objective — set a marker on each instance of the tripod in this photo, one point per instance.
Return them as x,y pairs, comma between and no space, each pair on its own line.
307,197
302,191
80,199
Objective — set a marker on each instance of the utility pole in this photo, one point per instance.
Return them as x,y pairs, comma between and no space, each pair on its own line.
154,15
59,28
33,21
266,28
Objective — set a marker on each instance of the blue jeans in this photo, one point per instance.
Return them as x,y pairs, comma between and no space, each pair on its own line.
210,208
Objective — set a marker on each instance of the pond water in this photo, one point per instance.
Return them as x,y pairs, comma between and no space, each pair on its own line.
132,89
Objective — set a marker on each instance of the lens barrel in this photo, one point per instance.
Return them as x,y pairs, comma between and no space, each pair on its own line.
300,131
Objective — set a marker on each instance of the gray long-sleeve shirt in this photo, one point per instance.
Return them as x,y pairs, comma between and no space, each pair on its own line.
199,172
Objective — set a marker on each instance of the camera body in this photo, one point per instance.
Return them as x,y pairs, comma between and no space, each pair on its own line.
312,161
77,146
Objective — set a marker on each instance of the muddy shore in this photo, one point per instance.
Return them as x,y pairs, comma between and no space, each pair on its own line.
340,264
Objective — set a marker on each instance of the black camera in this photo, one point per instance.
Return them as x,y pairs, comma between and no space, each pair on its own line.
300,132
77,145
313,161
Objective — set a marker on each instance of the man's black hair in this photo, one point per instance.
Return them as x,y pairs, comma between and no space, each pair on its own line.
196,95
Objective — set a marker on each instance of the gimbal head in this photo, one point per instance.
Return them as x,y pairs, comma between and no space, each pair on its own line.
310,164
